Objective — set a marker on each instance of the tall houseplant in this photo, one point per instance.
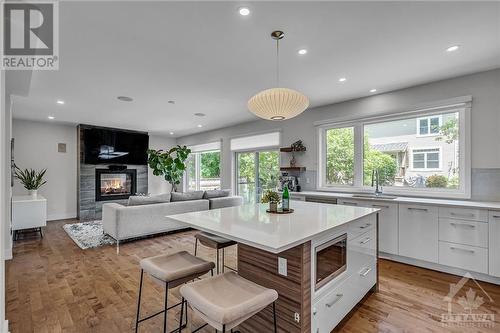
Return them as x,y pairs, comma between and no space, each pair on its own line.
169,164
31,179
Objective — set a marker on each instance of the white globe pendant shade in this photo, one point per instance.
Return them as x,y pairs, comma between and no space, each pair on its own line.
278,104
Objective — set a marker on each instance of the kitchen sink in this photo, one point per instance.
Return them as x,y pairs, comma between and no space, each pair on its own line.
375,196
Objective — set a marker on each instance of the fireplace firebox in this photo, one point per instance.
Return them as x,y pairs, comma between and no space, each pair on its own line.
115,184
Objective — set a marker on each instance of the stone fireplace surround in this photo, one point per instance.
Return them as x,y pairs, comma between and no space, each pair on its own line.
88,208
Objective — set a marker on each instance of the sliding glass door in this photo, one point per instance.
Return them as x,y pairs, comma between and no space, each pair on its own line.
257,171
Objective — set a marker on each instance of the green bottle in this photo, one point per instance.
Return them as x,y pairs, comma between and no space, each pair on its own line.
285,199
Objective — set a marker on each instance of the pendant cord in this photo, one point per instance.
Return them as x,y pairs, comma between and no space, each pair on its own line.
277,63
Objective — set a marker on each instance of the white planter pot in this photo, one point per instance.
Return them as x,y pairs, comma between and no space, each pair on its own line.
33,193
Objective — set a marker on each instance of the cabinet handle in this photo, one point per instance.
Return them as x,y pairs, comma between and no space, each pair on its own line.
419,209
339,296
462,215
463,225
365,273
365,241
350,203
365,226
380,206
460,249
496,216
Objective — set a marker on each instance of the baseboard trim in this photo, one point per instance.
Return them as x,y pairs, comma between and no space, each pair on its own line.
7,254
5,326
61,216
440,268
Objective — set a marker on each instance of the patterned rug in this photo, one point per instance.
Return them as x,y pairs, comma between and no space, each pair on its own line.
88,235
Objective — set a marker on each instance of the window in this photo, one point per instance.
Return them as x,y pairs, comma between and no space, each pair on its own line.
426,159
340,156
417,153
429,125
203,167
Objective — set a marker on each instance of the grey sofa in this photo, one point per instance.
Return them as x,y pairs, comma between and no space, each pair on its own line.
127,222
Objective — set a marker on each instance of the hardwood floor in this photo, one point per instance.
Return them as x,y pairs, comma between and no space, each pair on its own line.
54,286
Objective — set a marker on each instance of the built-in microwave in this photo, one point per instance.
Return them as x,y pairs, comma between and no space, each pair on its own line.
330,260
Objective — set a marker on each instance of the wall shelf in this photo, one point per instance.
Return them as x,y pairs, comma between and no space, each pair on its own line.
298,169
290,150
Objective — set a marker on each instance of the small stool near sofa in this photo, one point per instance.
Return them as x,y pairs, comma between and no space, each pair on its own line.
171,270
226,300
214,242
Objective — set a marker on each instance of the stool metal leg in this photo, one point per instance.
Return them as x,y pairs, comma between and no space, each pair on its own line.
139,302
274,317
165,316
195,246
223,260
218,271
180,317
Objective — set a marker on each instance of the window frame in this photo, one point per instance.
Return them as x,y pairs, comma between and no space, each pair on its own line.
197,173
462,107
440,118
426,169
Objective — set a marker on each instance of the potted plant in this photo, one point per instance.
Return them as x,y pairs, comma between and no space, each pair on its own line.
169,164
273,198
31,179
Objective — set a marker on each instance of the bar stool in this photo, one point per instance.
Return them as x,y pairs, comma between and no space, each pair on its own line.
171,270
214,242
226,300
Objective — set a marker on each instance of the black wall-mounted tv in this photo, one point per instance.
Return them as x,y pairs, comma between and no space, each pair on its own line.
114,146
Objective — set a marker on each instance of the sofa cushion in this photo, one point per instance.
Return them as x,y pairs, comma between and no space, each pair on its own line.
225,202
138,200
216,194
186,196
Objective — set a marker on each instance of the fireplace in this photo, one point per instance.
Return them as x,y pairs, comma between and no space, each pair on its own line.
115,184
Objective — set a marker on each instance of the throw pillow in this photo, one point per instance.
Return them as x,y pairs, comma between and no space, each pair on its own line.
186,196
210,194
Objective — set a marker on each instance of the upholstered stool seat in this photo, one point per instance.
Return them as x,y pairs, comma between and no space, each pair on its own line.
171,270
214,242
227,300
176,268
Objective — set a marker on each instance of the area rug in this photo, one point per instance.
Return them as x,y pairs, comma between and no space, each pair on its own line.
88,235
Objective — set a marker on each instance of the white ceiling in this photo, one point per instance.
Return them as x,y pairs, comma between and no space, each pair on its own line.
209,59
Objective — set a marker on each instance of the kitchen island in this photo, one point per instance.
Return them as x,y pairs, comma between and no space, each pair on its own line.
321,259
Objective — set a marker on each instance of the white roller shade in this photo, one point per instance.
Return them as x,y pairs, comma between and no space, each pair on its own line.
258,141
205,147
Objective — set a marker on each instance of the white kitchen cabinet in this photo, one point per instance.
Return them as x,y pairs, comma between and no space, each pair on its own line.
494,243
387,224
470,258
463,232
418,232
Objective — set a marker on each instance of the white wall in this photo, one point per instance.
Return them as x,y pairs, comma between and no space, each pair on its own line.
158,185
35,147
484,88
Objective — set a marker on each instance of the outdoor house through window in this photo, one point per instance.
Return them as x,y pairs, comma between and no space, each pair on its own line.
203,167
257,164
419,152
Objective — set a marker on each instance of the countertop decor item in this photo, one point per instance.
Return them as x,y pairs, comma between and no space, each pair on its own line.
278,103
31,179
273,198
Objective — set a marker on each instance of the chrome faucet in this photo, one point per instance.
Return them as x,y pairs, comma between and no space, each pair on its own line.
376,182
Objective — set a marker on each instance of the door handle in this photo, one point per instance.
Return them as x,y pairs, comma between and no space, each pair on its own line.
463,225
419,209
365,273
338,298
366,225
380,206
460,249
462,215
365,241
350,203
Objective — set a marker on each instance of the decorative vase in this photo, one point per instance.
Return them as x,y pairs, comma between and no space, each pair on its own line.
273,206
33,193
293,162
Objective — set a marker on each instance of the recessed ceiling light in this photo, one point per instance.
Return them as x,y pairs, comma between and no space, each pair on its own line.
171,133
244,11
302,51
373,90
60,101
125,98
51,117
171,102
342,79
452,48
199,114
200,125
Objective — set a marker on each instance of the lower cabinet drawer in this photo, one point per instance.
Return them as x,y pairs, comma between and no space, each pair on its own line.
361,250
463,232
466,257
333,307
362,225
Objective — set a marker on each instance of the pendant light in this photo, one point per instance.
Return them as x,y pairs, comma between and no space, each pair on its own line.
278,103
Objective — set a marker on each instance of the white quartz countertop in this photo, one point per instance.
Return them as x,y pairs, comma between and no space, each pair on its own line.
251,225
416,200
